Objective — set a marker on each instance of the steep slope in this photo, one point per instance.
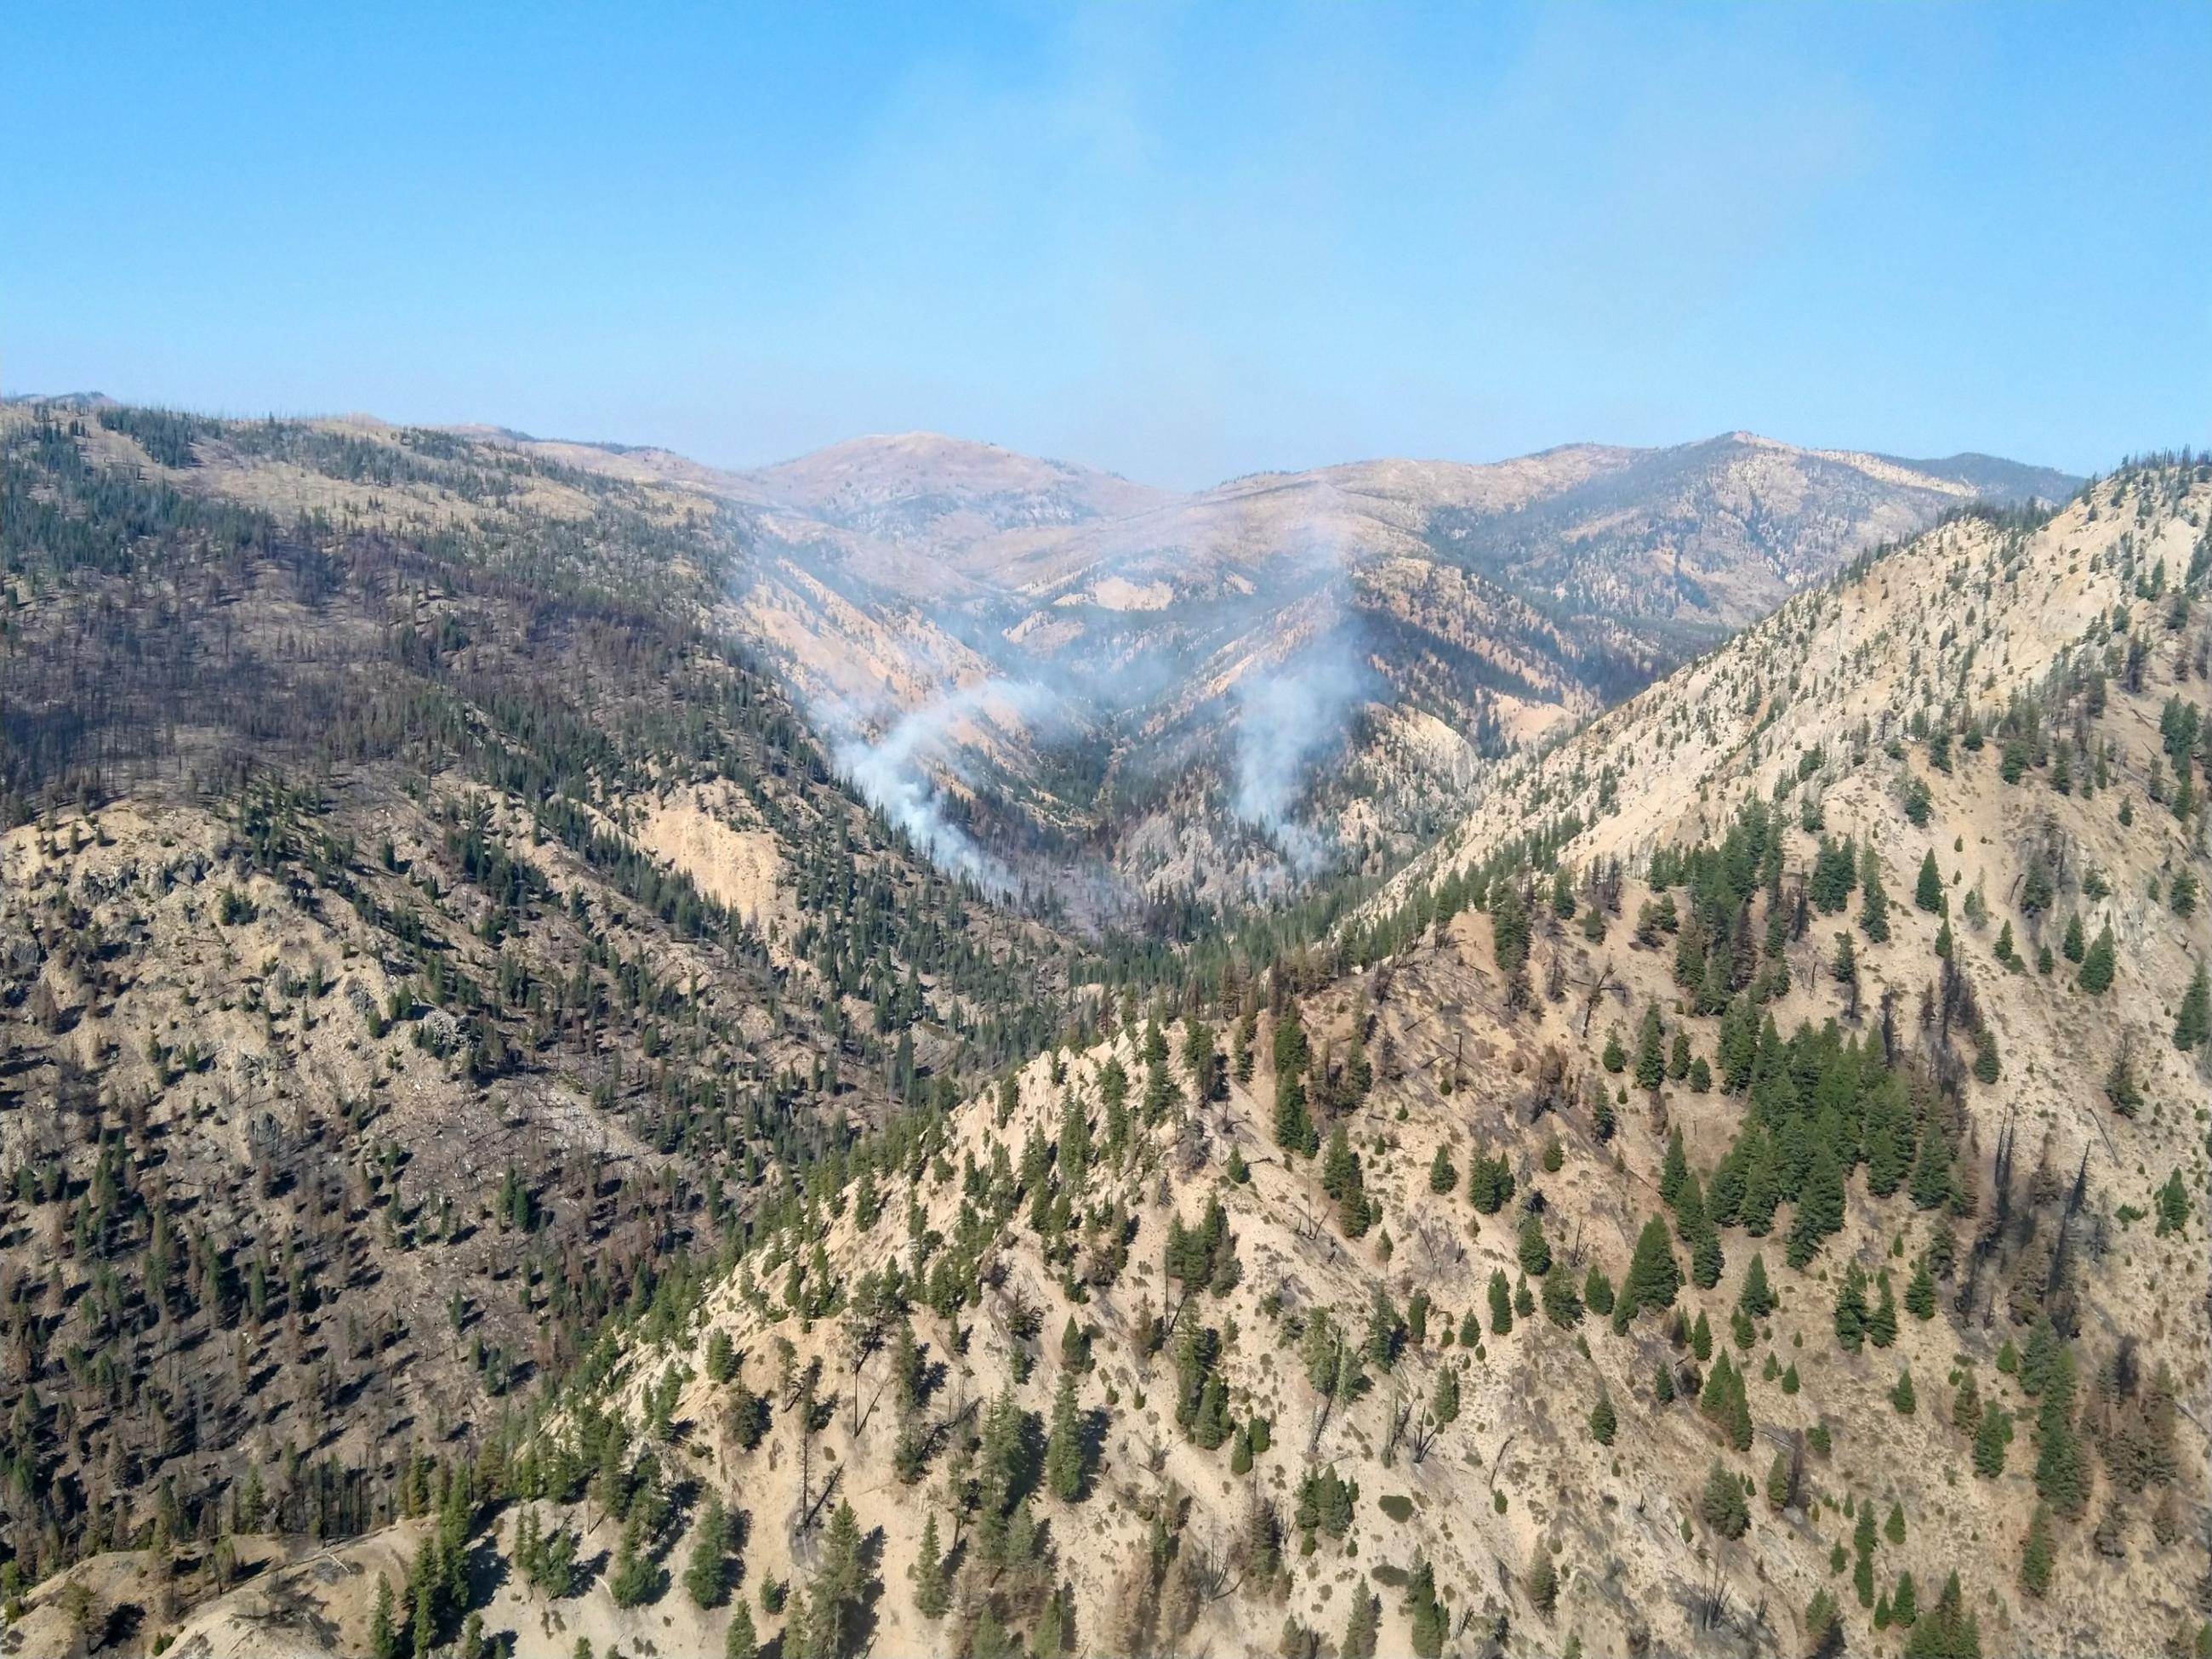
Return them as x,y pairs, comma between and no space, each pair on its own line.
414,925
1158,1346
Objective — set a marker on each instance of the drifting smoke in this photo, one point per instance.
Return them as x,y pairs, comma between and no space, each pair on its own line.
893,772
1286,714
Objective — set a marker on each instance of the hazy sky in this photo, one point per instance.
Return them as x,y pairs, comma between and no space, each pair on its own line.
1181,243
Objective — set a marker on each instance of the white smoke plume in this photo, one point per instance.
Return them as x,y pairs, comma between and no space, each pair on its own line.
893,771
1289,712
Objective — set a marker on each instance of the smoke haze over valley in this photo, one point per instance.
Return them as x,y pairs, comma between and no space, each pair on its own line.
1051,675
1106,832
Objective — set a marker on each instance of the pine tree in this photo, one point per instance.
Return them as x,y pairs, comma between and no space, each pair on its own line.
1903,1396
931,1597
1650,1056
1756,1298
1673,1169
1364,1626
741,1641
1489,1183
2097,965
1597,1290
2171,1203
2035,1555
1533,1250
1501,1303
383,1638
1441,1176
1947,1630
426,1615
1851,1309
1881,1323
2072,947
1931,1168
2061,1479
1824,1623
1723,1506
1064,1449
1820,1206
1602,1421
1653,1280
1928,893
1424,1616
1874,906
1992,1434
2192,1026
1443,1404
1920,1293
706,1578
1542,1581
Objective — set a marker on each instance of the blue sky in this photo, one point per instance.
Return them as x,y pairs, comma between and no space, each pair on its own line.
1182,243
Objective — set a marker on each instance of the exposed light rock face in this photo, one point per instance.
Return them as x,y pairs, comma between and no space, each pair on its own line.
1833,1010
889,575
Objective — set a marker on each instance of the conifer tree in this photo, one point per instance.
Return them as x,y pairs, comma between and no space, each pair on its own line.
2097,964
1443,1404
1650,1056
931,1596
1881,1323
1542,1580
1364,1626
383,1638
741,1641
2035,1554
1722,1506
1424,1616
1441,1176
1874,904
1489,1183
1534,1249
1501,1303
1756,1298
1673,1169
1597,1290
1781,1482
706,1579
1653,1279
2192,1026
1928,891
1992,1434
1602,1420
1064,1449
1851,1309
1947,1630
1820,1206
1920,1293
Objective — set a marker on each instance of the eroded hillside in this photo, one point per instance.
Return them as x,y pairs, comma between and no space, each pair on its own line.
1225,690
417,935
1747,1194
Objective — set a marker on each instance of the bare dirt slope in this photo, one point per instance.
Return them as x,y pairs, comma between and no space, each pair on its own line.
1983,1171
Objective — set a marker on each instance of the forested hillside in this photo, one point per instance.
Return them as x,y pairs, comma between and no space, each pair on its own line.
1745,1192
419,933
